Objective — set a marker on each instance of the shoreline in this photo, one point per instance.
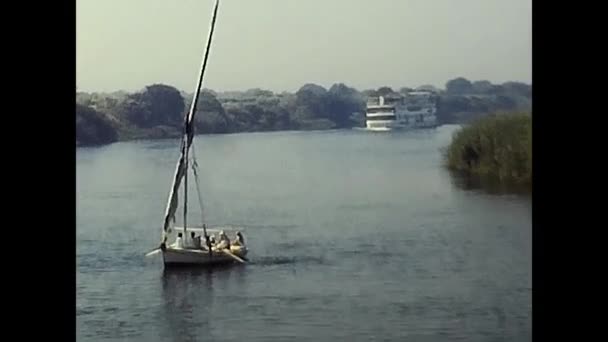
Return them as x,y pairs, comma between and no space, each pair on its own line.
178,136
157,111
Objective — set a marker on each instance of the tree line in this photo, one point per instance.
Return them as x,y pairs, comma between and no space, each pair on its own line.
158,110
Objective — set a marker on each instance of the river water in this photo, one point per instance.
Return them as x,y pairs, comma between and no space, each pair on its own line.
353,236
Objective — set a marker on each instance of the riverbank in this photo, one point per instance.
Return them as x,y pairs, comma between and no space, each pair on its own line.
157,111
497,146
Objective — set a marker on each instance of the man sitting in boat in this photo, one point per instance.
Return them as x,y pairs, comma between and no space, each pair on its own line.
238,245
195,241
224,242
179,243
239,241
208,244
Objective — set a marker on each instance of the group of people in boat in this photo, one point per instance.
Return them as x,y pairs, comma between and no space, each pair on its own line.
194,241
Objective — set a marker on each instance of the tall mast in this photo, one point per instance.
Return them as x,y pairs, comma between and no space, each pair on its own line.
202,72
186,194
182,164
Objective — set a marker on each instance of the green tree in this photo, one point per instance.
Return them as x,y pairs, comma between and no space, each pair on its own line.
482,87
428,87
311,102
257,92
518,89
156,105
93,127
384,91
459,86
165,102
343,101
210,115
405,90
369,93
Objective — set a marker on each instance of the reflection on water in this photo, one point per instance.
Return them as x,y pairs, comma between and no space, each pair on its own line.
189,299
182,291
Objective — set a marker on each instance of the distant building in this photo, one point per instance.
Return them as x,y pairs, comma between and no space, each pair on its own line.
415,109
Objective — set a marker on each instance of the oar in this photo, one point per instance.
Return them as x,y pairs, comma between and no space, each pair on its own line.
226,251
153,252
233,256
156,250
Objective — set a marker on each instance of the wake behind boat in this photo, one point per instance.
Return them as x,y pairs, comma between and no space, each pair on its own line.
188,245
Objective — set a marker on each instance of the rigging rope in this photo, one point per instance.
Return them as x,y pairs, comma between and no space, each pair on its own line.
200,200
198,188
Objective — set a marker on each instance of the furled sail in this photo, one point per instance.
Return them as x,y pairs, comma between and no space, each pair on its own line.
181,167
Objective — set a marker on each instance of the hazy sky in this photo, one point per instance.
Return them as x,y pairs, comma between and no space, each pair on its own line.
283,44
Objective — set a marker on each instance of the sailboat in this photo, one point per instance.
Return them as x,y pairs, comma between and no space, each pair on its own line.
195,245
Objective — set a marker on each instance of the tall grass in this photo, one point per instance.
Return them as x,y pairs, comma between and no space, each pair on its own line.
498,145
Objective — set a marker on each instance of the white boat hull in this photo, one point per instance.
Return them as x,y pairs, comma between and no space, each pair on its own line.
398,127
379,129
185,257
